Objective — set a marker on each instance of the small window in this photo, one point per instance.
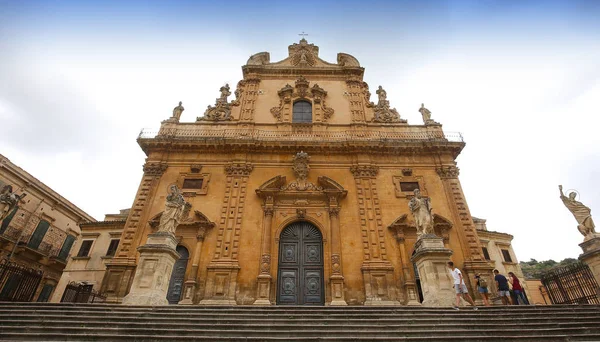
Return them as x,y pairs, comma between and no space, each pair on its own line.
302,112
112,248
506,255
38,234
66,247
193,183
409,186
84,250
45,294
486,255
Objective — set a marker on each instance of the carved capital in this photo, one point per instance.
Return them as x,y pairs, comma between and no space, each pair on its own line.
448,172
334,212
336,264
268,212
238,169
155,169
364,171
265,263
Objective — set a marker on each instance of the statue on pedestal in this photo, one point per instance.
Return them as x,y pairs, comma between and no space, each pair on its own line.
426,113
420,207
177,111
174,209
8,201
582,214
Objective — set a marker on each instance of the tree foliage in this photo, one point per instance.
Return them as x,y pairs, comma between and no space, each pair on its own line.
534,269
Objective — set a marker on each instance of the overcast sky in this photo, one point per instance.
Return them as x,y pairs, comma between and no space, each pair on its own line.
519,79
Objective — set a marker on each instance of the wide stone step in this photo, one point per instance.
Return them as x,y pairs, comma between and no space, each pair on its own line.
265,331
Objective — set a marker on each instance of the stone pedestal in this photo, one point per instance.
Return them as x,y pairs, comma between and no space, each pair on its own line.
152,276
264,290
591,256
431,258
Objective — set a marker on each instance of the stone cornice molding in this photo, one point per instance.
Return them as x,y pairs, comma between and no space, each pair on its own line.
155,168
364,171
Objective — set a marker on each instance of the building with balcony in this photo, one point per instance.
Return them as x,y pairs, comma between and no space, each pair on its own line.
36,236
299,185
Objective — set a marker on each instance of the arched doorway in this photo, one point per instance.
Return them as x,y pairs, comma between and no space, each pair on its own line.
177,276
300,269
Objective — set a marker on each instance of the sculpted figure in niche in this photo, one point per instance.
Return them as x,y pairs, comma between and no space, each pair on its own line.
420,207
8,201
582,214
177,111
174,208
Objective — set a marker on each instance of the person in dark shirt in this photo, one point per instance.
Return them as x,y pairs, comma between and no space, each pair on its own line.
502,286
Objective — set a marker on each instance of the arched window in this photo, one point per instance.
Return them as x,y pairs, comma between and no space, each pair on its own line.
302,112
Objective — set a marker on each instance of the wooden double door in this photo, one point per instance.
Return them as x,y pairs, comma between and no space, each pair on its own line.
300,269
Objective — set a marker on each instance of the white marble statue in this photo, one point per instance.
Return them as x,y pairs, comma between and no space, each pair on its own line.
582,214
420,207
174,208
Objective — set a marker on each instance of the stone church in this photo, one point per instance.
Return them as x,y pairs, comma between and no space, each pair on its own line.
298,188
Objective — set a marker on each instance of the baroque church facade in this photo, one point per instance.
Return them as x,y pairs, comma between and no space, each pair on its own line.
298,189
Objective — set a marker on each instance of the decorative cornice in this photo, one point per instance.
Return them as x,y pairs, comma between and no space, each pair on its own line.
239,169
364,171
446,172
155,169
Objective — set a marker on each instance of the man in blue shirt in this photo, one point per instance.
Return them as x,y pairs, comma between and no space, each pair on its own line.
502,286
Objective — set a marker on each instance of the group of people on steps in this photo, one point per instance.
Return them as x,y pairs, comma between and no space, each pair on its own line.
502,285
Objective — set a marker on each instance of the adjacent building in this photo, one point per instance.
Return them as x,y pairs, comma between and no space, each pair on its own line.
96,246
36,236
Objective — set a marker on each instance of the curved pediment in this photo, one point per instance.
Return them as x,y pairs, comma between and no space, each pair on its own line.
272,184
329,185
198,219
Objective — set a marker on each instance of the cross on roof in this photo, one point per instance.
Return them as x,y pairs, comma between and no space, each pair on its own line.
303,34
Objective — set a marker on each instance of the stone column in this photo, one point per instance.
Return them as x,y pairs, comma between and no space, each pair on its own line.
337,278
191,284
151,279
431,258
263,290
591,256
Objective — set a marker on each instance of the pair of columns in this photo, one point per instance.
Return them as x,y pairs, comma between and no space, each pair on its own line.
336,278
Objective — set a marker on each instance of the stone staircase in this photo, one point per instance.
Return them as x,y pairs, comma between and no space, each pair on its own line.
104,322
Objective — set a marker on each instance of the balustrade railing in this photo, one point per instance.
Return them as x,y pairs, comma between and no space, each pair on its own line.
259,135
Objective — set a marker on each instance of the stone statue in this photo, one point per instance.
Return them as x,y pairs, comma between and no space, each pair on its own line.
420,207
582,214
426,115
177,111
8,201
382,94
224,93
174,208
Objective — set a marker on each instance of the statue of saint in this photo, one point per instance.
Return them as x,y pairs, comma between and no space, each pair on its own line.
224,93
420,207
582,214
426,113
177,111
8,201
382,94
174,208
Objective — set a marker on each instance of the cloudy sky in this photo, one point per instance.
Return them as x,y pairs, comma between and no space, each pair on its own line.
519,79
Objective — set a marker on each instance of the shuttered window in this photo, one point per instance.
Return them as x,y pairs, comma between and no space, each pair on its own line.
112,248
66,247
38,234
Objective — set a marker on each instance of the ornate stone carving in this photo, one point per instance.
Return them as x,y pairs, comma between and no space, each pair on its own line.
268,212
303,54
383,112
222,109
448,172
265,263
407,172
302,90
347,60
8,201
362,171
196,168
334,211
336,265
301,213
301,168
155,169
177,112
260,58
582,214
420,207
174,211
238,169
427,116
